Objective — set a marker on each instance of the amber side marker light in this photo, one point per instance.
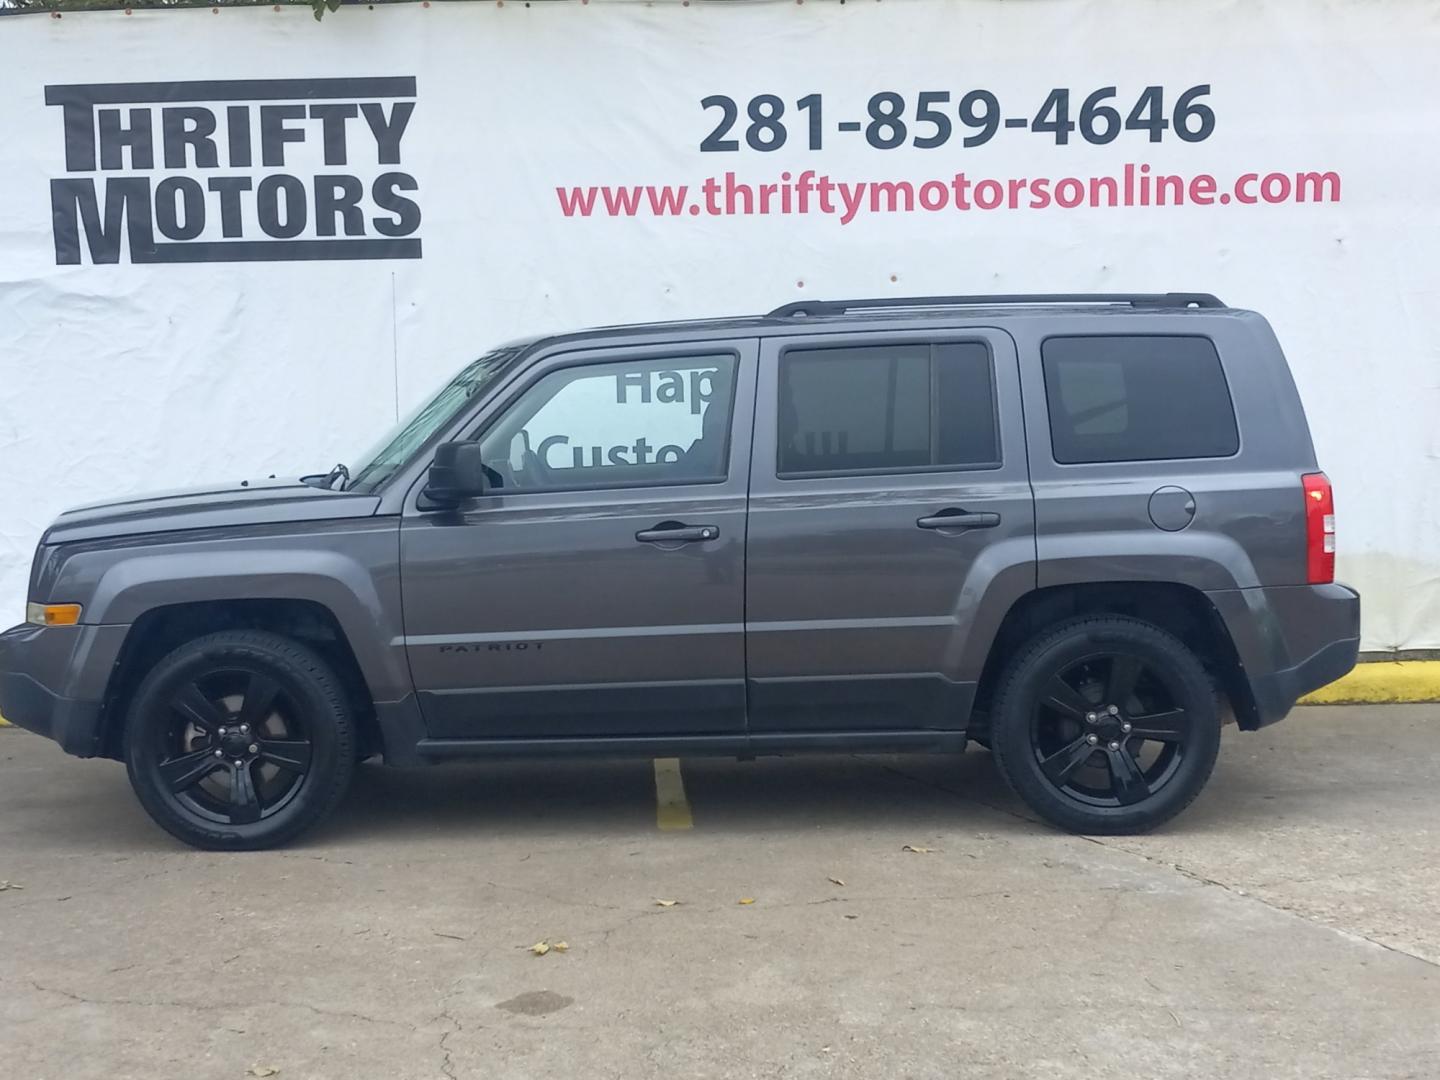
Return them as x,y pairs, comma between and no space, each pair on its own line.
52,614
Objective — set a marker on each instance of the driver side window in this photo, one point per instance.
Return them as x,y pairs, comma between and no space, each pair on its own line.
622,424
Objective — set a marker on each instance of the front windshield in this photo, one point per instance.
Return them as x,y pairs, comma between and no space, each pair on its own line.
406,437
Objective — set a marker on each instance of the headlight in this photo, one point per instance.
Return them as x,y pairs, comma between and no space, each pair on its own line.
52,614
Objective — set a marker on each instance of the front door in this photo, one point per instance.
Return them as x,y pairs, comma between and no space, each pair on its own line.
599,589
891,524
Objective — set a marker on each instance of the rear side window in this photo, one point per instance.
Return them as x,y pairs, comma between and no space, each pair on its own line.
1137,398
887,408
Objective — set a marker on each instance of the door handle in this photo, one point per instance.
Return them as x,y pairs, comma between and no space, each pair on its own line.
676,532
954,518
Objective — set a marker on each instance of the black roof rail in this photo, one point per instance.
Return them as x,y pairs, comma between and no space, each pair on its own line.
1139,300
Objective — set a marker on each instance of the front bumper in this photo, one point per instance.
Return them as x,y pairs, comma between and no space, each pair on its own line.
53,680
1289,640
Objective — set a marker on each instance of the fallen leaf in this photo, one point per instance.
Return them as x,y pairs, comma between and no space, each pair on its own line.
540,948
452,937
561,946
666,903
6,886
262,1070
917,850
852,916
747,900
836,881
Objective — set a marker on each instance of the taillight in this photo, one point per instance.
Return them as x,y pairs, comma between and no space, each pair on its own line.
1319,529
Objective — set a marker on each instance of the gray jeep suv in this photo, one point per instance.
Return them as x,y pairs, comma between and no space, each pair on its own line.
1078,530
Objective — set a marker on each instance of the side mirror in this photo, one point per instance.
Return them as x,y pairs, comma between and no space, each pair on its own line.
457,473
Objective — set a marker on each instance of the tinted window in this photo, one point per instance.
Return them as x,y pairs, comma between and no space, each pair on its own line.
617,425
887,408
1137,399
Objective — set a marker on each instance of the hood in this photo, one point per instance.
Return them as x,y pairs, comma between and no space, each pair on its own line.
245,502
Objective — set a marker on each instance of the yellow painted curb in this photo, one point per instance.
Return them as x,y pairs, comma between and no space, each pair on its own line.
1382,681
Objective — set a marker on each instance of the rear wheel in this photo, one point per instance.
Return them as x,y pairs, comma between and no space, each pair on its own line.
1106,725
239,740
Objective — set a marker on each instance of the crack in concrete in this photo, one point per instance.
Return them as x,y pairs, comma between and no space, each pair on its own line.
447,1064
605,933
1185,872
552,899
1273,905
108,890
120,1002
1273,883
312,858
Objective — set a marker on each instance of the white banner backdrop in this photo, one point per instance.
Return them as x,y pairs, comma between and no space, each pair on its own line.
238,243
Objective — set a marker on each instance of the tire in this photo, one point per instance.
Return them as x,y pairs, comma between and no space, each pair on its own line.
283,763
1085,767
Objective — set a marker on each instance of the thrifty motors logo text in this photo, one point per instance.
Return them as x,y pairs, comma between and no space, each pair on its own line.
248,170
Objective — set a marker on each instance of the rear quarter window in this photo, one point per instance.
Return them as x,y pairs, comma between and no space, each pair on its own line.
1137,398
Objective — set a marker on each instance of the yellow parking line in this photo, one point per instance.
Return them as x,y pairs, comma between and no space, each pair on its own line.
672,809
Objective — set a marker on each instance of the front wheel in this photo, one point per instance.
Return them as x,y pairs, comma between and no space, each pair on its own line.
1106,725
239,740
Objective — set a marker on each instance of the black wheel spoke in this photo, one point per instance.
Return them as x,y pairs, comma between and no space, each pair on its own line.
1061,765
1114,723
259,701
1168,726
244,800
1129,782
1061,695
291,754
190,701
187,770
1124,674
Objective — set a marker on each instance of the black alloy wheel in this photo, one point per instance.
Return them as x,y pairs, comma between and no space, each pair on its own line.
239,740
1107,729
237,749
1105,725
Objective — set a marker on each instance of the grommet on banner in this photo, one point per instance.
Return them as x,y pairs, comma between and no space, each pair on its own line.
799,284
894,277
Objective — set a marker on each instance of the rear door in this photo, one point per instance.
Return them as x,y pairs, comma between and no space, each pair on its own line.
891,525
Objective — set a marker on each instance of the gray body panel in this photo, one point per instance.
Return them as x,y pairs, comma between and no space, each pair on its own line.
1094,521
348,566
855,616
246,503
539,614
820,616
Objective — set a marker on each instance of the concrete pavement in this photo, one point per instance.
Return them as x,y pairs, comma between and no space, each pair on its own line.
1288,925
